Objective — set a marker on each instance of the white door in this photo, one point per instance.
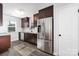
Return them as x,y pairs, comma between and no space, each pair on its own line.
67,29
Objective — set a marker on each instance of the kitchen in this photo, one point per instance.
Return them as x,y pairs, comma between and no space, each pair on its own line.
20,22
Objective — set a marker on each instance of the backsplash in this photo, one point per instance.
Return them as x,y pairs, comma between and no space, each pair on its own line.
34,30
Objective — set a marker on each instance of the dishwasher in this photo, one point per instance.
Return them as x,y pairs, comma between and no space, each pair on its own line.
22,36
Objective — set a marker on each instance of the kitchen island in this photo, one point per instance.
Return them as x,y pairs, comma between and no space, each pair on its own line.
5,42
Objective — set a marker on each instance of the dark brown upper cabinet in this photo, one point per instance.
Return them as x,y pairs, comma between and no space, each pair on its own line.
35,18
46,12
25,22
1,14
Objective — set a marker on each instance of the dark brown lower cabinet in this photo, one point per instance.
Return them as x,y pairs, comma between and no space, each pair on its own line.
5,43
30,37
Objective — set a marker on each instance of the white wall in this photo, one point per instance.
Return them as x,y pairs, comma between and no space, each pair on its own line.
4,28
78,29
72,11
6,19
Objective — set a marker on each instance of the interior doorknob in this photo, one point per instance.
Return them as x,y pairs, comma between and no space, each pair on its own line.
59,34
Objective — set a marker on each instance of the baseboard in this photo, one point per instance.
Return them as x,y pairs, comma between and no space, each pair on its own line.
56,54
14,40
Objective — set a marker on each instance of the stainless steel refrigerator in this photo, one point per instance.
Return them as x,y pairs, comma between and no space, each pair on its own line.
44,37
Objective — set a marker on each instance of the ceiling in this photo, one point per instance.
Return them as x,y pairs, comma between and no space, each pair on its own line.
28,8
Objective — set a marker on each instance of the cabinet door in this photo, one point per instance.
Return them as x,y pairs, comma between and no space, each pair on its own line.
29,37
4,43
1,20
35,18
46,12
22,22
35,38
25,22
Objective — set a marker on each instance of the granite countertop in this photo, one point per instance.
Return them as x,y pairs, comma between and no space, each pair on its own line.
28,32
2,34
34,30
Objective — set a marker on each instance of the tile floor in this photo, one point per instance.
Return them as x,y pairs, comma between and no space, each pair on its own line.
13,52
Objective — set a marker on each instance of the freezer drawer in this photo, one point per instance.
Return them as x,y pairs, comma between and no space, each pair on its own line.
45,45
48,47
40,44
